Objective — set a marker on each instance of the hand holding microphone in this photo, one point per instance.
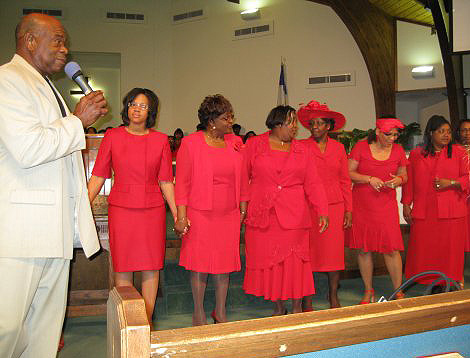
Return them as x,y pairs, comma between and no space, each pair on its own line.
91,106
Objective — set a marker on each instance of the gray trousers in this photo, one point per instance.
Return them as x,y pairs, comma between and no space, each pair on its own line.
33,297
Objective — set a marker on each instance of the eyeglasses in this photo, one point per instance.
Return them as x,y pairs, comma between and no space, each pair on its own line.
227,117
142,106
390,134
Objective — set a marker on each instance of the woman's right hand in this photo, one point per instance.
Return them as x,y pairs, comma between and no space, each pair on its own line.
376,183
407,214
182,226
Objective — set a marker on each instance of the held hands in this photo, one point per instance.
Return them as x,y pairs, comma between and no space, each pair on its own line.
347,222
441,183
242,216
90,108
323,222
407,214
394,182
182,226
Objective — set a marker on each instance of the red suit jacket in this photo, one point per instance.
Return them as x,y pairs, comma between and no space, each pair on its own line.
286,190
136,175
332,165
451,202
194,173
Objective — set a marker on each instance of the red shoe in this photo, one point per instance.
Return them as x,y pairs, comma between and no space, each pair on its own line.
61,343
399,295
214,317
371,299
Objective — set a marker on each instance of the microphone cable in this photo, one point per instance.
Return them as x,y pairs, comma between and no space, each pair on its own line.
442,277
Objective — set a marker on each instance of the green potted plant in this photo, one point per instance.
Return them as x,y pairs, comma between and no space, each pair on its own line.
350,138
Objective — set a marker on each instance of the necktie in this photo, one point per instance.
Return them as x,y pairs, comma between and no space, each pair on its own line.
61,105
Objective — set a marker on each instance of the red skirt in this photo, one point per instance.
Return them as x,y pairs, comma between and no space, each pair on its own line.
137,238
437,245
327,248
289,279
212,244
467,243
286,272
375,223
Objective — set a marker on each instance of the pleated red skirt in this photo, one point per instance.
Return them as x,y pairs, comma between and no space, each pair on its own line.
290,277
436,245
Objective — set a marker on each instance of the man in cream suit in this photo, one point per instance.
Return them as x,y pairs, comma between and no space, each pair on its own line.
44,204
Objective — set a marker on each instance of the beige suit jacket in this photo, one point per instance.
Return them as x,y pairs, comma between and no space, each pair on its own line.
41,170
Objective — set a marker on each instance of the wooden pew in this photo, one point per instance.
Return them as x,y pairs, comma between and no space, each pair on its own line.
129,334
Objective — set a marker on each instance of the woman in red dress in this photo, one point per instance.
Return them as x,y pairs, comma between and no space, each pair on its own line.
282,178
210,204
377,166
327,248
463,137
140,159
434,203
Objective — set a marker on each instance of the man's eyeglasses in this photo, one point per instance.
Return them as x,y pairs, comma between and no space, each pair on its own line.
142,106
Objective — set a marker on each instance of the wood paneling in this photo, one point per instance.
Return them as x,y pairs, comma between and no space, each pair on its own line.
410,10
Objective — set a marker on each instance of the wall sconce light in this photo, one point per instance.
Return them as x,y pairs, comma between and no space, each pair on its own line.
250,14
422,72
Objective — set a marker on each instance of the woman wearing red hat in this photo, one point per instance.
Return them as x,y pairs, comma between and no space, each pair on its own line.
377,166
282,179
434,204
327,248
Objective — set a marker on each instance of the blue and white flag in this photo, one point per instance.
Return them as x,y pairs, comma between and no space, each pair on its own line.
282,98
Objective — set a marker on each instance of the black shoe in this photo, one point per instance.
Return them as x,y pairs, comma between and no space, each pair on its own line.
437,289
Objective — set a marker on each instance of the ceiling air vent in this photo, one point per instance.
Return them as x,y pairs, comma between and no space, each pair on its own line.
347,78
132,18
189,16
257,30
52,12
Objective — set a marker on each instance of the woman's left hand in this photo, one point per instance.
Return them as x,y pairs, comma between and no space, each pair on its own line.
323,222
394,182
242,216
441,183
347,223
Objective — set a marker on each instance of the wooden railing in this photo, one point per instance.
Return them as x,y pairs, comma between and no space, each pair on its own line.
129,333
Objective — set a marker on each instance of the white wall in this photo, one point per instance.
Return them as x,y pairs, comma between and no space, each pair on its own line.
104,72
440,108
416,46
407,111
183,63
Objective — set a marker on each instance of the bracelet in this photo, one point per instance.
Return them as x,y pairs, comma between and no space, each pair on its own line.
182,219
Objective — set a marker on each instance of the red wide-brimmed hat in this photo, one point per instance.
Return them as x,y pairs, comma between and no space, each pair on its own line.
315,109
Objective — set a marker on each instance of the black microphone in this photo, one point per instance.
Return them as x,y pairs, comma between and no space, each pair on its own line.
74,72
